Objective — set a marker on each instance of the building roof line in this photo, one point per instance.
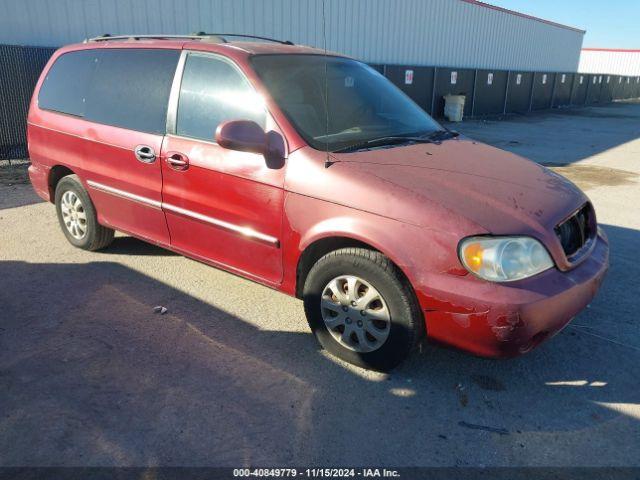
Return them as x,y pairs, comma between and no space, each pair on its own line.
628,50
523,15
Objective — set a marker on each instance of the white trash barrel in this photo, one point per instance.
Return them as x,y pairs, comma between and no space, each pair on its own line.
454,107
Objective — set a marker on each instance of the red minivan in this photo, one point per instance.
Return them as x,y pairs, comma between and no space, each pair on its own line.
311,173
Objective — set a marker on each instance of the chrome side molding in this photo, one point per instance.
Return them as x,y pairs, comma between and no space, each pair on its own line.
127,195
244,231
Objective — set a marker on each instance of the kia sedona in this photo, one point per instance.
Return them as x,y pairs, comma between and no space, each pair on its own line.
311,173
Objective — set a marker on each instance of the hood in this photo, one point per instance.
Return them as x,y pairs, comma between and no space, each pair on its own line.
458,185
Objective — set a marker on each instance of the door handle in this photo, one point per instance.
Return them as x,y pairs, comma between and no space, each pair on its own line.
145,154
177,161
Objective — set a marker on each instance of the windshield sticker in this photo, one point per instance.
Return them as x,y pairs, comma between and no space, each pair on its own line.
489,78
454,78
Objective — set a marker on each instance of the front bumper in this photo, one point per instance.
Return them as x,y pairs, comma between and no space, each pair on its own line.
508,319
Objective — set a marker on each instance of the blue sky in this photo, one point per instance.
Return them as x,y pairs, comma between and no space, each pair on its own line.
609,24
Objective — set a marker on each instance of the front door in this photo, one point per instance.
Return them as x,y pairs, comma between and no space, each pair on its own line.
221,205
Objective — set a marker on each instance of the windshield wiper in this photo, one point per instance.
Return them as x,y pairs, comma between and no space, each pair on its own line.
444,134
382,141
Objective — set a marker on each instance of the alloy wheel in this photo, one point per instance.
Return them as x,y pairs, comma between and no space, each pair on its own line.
73,215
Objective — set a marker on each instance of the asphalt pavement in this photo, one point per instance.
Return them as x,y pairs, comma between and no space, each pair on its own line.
231,376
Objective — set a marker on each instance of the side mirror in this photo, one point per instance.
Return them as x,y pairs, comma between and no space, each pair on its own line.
242,135
248,136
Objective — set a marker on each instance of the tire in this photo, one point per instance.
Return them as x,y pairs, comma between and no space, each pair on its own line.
371,269
79,223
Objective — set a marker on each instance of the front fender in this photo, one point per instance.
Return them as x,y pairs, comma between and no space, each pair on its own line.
415,250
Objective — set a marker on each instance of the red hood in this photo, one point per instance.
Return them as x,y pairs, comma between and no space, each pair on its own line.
456,186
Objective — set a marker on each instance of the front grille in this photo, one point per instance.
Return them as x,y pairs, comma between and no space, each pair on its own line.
577,230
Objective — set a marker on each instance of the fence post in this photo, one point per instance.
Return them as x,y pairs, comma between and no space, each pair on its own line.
553,89
533,84
600,88
433,91
473,95
506,93
573,85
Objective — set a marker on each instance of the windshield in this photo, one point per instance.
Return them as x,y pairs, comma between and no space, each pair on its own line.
363,105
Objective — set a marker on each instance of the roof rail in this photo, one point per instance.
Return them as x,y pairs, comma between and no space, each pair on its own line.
107,37
211,37
256,37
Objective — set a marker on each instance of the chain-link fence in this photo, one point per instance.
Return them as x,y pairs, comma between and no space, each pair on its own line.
20,68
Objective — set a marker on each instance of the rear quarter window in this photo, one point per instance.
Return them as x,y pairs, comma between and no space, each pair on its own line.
127,88
65,86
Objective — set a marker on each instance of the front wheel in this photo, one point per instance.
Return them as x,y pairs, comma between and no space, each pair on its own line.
77,216
362,309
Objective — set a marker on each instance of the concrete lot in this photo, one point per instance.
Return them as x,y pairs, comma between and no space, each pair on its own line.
231,375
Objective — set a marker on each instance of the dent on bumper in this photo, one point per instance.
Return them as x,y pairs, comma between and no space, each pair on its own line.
502,320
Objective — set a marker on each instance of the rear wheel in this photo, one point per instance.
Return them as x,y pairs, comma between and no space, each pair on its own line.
362,309
77,216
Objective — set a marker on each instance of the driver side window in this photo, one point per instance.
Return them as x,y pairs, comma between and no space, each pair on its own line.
213,91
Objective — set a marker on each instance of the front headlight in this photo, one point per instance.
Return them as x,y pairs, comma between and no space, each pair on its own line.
504,259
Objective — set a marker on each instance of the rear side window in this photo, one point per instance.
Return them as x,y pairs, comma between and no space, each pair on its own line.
131,88
127,88
214,91
65,87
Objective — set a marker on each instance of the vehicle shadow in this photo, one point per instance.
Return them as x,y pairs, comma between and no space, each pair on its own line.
15,189
14,196
90,375
132,246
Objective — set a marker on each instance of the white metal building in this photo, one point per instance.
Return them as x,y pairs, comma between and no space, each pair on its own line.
607,60
456,33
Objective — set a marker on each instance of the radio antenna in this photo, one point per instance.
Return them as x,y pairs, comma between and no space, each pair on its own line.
327,162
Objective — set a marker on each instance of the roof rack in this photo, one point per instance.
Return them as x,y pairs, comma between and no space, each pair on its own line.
210,37
240,35
108,37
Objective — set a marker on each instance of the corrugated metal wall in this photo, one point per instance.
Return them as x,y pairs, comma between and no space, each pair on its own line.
616,62
453,33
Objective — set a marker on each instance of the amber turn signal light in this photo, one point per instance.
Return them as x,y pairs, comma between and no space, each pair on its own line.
473,256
